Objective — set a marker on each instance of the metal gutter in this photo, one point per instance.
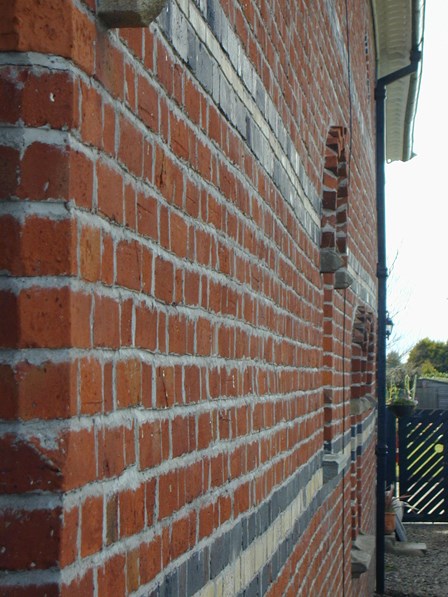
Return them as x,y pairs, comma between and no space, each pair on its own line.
398,29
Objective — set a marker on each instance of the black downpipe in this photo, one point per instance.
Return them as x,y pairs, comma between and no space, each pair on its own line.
381,448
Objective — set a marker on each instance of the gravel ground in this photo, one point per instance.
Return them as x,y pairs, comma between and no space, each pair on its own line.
420,576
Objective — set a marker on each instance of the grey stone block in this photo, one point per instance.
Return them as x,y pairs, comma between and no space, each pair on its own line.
342,279
129,13
204,71
330,260
253,589
219,555
197,571
236,540
193,49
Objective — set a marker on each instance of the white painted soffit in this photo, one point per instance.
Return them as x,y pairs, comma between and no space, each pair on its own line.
399,27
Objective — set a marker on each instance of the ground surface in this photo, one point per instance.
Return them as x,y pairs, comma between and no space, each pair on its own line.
420,576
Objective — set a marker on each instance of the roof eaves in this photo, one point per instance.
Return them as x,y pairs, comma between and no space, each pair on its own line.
399,26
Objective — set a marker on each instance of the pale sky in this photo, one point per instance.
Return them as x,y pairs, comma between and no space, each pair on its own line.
417,204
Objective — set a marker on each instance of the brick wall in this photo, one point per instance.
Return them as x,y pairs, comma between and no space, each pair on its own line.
168,341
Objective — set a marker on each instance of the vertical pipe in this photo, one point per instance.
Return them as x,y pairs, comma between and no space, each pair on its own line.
391,440
381,448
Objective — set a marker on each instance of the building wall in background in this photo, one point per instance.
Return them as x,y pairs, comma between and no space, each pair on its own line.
177,413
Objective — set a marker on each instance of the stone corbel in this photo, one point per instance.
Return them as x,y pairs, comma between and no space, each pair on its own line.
129,13
330,261
362,554
342,279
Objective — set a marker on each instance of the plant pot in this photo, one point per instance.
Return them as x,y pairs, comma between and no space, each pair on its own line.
401,410
389,523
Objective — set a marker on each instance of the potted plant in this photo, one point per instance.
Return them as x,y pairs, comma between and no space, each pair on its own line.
402,401
391,508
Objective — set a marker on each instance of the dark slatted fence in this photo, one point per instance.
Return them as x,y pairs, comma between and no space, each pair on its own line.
423,462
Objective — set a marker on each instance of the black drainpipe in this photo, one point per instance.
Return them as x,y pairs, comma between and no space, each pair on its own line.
381,448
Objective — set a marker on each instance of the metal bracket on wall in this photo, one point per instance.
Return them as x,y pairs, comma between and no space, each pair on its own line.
129,13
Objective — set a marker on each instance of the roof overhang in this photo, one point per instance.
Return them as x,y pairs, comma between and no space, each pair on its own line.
399,28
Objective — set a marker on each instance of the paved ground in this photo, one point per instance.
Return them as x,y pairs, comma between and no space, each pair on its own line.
420,576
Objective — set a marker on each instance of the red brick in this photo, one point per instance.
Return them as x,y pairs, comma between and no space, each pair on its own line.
168,389
10,230
108,131
107,260
32,540
169,178
206,521
164,227
91,125
150,559
54,318
179,137
147,209
147,385
90,254
110,192
169,499
9,325
194,486
25,468
79,587
81,179
177,334
91,526
129,265
130,83
150,501
48,247
148,103
29,29
112,519
128,383
69,537
45,391
182,535
178,235
164,280
129,446
111,577
130,207
132,511
154,446
126,322
192,103
192,199
132,570
130,150
49,98
90,386
242,499
192,280
180,436
109,68
76,450
106,331
164,68
45,172
11,84
145,327
204,337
